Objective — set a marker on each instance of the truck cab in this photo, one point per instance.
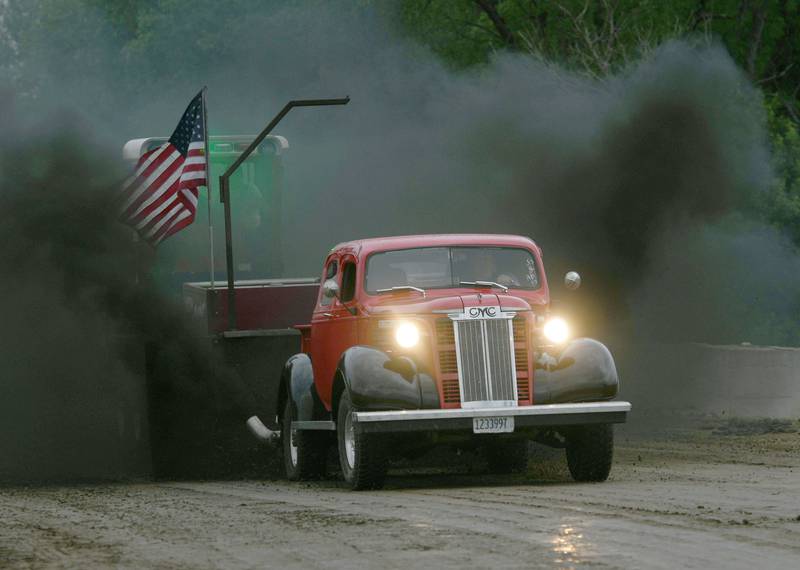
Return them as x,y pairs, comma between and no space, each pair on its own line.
418,340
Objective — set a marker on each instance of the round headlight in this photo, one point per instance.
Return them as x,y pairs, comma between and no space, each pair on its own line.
407,335
556,330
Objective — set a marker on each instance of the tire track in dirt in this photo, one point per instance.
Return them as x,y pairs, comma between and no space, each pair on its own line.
648,515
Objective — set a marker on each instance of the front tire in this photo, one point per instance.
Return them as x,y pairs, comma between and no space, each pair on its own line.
590,451
361,455
304,452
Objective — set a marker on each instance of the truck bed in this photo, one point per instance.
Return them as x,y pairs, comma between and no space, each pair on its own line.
260,304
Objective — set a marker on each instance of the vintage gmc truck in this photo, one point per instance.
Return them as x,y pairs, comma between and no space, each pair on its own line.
413,342
443,339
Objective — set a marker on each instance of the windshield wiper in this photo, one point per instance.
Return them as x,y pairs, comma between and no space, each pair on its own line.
485,284
403,288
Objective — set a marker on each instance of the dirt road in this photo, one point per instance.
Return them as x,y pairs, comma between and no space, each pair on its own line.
681,499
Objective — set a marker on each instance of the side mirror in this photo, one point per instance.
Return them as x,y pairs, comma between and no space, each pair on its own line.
330,289
572,280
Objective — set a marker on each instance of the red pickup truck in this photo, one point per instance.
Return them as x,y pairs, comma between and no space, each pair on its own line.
413,342
424,340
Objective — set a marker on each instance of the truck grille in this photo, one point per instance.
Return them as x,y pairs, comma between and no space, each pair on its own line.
448,364
486,361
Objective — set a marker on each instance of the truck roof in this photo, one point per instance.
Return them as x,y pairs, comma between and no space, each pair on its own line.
222,145
369,245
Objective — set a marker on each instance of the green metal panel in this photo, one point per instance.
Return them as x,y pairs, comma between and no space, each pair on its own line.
255,198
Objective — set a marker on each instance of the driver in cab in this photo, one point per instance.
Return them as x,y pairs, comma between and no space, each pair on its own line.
481,265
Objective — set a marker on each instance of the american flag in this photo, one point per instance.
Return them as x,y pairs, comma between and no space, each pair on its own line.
160,198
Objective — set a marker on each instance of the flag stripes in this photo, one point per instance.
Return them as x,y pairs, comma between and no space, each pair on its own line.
160,197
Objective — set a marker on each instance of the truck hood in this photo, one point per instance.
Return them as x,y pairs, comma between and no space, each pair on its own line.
413,303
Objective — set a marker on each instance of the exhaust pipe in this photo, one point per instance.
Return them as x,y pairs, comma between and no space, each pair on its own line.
262,432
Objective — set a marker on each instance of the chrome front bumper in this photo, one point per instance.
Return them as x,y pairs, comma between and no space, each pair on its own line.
524,416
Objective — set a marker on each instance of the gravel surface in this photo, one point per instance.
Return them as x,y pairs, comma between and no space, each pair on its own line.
688,498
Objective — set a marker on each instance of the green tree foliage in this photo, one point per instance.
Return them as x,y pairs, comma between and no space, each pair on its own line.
45,42
782,206
594,37
600,37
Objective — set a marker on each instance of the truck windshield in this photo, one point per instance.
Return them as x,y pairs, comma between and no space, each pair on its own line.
443,267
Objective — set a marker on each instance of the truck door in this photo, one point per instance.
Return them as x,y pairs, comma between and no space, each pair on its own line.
334,327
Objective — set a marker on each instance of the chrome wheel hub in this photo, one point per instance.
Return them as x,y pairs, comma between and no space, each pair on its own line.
350,441
293,446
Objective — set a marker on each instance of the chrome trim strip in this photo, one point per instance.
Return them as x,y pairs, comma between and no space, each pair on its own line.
487,360
457,312
491,404
500,315
259,332
323,425
540,410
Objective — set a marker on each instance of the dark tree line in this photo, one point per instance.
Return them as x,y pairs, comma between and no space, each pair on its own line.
601,37
122,38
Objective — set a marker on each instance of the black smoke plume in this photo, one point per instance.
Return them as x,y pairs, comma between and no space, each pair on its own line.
604,174
646,182
78,316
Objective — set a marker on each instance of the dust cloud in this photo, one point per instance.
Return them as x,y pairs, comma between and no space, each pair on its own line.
604,174
644,182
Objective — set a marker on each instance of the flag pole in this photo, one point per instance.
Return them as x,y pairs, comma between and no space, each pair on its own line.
208,191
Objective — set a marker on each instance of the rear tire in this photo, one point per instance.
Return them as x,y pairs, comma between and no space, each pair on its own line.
361,455
506,457
590,451
304,452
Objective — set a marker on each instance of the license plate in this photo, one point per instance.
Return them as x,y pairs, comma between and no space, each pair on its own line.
493,425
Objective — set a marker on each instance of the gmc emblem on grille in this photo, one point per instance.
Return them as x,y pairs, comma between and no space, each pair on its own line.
483,312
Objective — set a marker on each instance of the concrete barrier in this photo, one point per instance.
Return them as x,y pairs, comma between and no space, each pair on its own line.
726,380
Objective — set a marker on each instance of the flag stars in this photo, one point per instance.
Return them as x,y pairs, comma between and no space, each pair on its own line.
156,221
190,129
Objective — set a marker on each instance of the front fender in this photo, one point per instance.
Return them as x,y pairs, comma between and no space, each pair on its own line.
377,381
584,372
297,383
